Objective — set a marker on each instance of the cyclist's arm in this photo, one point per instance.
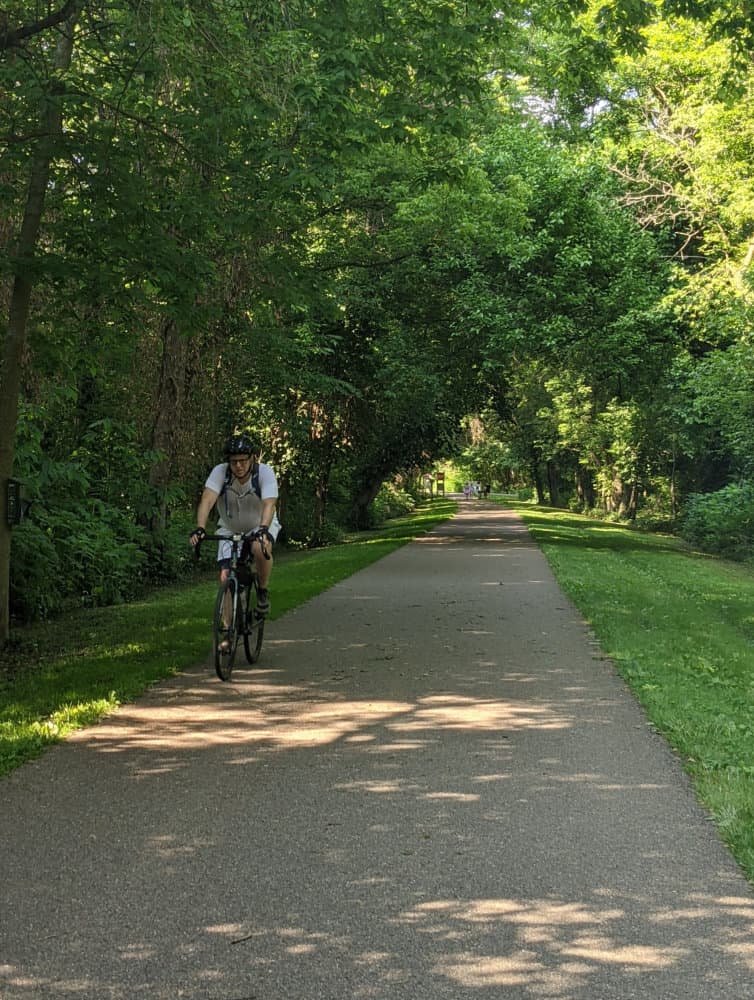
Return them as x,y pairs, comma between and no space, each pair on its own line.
206,503
268,512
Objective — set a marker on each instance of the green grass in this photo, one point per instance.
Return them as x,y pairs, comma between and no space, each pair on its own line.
680,628
68,673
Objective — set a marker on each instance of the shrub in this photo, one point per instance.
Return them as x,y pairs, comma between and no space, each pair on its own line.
722,523
101,552
172,557
300,525
390,502
84,541
35,574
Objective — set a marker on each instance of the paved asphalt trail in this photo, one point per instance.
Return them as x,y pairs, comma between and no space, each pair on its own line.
433,787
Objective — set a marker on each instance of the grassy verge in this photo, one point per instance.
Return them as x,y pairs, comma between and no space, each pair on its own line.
62,675
680,628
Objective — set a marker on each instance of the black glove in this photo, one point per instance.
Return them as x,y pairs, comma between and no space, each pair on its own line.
197,535
259,533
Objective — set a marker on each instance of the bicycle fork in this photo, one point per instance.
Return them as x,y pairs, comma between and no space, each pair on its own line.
230,606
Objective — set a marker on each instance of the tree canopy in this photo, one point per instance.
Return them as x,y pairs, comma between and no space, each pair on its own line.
351,227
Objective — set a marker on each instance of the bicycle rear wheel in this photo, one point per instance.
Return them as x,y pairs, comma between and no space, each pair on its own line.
226,636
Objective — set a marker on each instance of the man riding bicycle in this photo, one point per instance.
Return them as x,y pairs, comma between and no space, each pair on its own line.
244,492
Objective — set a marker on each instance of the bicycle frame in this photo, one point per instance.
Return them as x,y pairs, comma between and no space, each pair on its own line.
234,617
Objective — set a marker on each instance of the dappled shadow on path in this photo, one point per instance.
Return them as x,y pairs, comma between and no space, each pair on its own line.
548,947
443,846
259,713
470,809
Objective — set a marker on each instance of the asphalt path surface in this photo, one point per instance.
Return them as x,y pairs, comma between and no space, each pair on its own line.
433,786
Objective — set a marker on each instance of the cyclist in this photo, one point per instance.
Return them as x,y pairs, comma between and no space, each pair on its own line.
244,492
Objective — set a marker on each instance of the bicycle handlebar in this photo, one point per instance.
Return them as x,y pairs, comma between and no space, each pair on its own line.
235,538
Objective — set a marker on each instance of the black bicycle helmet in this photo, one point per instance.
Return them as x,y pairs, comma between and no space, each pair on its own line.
240,444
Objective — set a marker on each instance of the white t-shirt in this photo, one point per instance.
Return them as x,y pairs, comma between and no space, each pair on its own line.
238,507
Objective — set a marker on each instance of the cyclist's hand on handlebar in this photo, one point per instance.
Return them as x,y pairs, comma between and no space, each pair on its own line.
197,536
258,533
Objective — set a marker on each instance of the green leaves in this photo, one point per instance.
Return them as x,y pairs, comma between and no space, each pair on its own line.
346,223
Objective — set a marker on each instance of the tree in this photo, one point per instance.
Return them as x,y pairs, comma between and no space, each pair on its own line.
54,68
196,149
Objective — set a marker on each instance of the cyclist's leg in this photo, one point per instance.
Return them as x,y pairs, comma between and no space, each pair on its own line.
263,569
262,566
224,565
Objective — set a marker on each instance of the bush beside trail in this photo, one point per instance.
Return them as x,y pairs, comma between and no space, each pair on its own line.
722,523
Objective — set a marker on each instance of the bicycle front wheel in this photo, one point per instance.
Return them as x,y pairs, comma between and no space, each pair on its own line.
226,632
252,637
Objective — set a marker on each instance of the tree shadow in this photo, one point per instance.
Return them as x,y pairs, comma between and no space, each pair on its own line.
473,810
443,845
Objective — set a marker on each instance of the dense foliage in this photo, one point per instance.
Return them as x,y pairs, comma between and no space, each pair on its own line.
375,234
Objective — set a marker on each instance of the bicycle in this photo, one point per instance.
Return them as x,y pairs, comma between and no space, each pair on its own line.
234,614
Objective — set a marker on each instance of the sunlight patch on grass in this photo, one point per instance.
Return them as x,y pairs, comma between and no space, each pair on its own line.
69,717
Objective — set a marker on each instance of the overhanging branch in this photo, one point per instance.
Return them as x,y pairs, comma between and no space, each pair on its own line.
10,38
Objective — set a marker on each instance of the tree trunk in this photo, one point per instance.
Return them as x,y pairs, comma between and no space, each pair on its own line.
619,497
553,484
673,498
322,496
51,119
633,500
167,423
321,491
539,485
362,500
584,488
